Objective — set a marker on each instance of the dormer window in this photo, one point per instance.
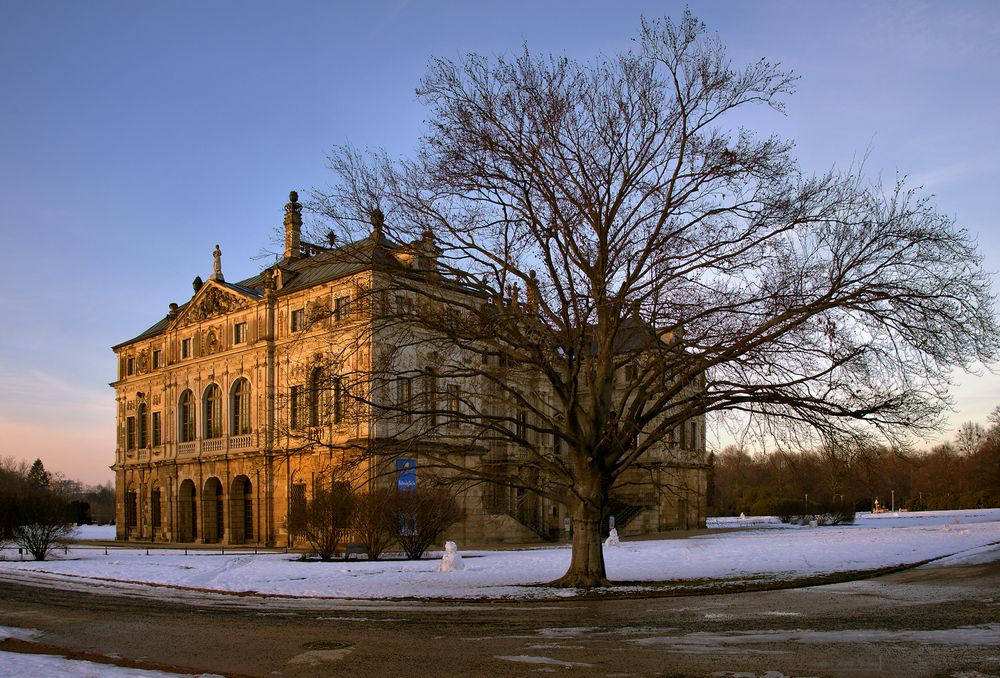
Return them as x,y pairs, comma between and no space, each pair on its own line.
130,366
239,333
157,359
186,348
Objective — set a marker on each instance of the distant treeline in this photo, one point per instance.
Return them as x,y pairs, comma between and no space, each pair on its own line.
83,504
964,474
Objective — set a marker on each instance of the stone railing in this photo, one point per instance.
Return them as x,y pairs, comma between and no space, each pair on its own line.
212,445
216,445
241,442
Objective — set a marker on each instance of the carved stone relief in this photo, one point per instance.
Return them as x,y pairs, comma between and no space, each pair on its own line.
318,311
214,303
142,361
212,341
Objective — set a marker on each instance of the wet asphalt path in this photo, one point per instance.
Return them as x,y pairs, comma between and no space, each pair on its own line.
932,621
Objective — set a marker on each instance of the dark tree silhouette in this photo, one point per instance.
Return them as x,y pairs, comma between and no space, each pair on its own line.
601,258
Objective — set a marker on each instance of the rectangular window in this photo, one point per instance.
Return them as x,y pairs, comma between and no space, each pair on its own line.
186,348
521,428
298,320
239,333
404,394
454,404
130,366
295,407
130,433
157,431
154,509
341,308
143,429
157,359
430,398
694,436
338,401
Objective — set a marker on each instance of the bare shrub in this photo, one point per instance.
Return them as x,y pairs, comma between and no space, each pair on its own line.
422,517
42,523
324,521
374,521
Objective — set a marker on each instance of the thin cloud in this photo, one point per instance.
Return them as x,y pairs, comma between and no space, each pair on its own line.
35,395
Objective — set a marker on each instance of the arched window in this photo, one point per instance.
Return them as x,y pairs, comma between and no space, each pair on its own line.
213,411
143,418
240,408
185,416
316,397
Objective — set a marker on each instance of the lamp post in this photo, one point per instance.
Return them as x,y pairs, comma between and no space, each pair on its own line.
893,500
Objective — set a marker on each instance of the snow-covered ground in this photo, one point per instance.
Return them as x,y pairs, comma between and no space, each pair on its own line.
875,541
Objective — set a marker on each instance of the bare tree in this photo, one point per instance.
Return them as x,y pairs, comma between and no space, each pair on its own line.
598,259
969,436
325,519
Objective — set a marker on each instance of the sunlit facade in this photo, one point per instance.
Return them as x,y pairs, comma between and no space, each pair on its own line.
210,401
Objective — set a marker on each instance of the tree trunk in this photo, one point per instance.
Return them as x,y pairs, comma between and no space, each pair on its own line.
586,568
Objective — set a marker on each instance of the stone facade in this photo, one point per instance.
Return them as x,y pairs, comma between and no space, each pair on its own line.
208,414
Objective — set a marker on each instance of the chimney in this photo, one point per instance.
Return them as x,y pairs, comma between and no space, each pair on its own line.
293,227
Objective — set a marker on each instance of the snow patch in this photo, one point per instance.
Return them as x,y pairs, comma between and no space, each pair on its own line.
52,666
534,659
16,633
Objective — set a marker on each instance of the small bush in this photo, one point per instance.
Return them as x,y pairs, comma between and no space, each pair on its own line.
421,518
42,522
374,521
788,510
324,520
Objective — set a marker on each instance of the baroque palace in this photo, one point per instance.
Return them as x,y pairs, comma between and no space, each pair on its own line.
212,400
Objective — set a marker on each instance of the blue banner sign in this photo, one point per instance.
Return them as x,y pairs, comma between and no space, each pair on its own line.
406,475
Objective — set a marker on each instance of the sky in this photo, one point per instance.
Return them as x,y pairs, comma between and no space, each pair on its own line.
136,136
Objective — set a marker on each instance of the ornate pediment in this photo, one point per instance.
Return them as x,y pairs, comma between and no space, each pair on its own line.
212,302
